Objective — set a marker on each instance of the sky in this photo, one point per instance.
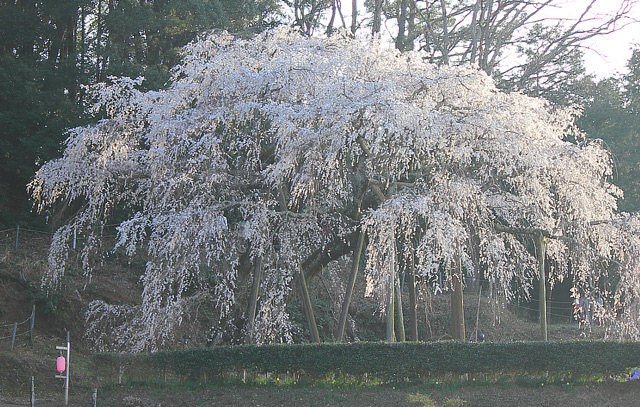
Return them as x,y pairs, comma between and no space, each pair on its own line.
611,53
608,54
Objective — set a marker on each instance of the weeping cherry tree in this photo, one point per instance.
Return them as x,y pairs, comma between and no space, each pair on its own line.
266,159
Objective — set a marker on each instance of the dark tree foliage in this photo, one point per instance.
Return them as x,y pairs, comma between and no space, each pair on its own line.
48,49
38,83
612,114
143,38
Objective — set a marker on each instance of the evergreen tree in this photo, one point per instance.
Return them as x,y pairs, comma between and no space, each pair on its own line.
49,49
612,114
37,88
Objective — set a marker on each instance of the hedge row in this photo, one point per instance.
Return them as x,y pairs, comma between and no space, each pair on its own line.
408,359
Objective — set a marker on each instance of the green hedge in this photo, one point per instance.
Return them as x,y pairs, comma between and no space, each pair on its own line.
383,360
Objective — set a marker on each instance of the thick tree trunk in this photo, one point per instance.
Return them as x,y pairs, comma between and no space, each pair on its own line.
354,16
411,26
377,16
445,33
402,21
98,39
332,19
352,280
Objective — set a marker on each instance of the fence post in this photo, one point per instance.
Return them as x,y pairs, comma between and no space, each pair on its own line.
32,323
17,234
33,393
13,336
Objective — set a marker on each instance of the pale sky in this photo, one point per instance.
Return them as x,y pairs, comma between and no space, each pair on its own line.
610,53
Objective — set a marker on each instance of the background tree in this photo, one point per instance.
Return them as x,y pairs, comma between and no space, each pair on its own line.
37,89
611,114
143,38
49,49
512,40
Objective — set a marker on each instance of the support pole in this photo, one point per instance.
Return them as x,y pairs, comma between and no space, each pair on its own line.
253,300
350,285
541,247
66,375
413,305
399,313
457,301
32,397
66,381
390,337
17,234
306,302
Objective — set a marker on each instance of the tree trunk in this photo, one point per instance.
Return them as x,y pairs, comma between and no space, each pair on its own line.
541,247
83,52
352,280
98,39
308,308
411,26
332,19
445,33
377,16
253,300
402,21
354,16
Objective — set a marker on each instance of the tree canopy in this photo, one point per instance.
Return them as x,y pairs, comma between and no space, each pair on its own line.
273,153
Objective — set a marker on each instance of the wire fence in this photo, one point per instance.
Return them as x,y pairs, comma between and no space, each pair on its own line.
16,238
13,329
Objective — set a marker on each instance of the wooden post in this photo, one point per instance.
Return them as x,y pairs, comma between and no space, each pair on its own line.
13,336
